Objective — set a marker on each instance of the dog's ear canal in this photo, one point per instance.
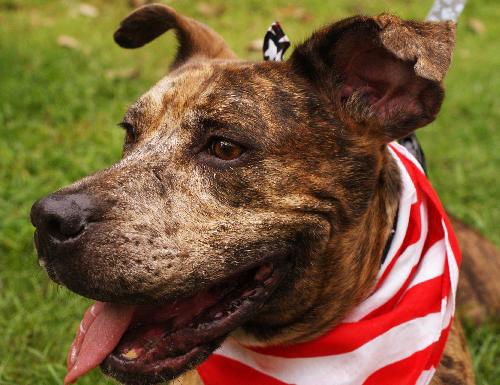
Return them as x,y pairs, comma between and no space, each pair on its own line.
381,74
196,40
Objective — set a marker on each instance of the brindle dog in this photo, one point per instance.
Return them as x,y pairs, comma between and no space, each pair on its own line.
232,166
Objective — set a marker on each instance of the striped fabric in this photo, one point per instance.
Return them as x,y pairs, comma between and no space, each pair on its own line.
396,335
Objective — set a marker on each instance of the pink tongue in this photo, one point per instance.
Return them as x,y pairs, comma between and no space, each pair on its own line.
101,329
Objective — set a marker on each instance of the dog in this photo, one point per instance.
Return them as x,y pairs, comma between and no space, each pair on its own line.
253,199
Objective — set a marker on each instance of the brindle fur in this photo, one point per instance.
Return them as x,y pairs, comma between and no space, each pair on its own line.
316,183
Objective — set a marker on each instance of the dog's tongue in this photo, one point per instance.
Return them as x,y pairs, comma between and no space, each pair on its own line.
101,329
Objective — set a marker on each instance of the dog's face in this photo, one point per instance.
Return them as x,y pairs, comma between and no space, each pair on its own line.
258,194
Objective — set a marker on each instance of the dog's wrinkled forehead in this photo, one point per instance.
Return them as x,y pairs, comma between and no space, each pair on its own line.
228,97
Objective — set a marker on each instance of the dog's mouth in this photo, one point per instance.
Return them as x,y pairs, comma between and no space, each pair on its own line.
148,344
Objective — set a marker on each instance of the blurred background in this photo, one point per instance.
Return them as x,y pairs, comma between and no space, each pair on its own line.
64,86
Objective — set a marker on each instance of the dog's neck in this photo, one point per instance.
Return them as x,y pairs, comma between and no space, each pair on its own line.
368,240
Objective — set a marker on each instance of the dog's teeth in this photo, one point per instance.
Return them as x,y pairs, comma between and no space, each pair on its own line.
130,355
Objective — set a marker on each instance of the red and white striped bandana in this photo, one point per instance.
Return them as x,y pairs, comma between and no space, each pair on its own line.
396,335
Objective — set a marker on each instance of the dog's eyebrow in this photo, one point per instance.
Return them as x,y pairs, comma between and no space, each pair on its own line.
214,123
217,124
237,117
210,125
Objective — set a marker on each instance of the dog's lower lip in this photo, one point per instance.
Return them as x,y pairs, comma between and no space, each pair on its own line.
152,353
159,372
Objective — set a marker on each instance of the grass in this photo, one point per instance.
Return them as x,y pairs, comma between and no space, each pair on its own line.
58,113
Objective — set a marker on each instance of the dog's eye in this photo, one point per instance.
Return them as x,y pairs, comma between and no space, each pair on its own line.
224,149
131,131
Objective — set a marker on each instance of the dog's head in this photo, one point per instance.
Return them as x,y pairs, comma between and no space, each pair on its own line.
252,195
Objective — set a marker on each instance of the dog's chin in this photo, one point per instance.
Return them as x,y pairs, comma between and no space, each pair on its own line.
162,342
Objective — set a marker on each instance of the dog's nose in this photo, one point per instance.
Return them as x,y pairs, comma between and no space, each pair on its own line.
62,216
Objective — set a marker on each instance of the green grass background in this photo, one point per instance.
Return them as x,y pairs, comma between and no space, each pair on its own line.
58,115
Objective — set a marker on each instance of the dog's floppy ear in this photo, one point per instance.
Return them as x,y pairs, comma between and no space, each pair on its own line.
382,74
196,40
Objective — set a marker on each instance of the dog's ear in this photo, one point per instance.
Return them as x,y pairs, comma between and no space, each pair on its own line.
196,40
382,74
